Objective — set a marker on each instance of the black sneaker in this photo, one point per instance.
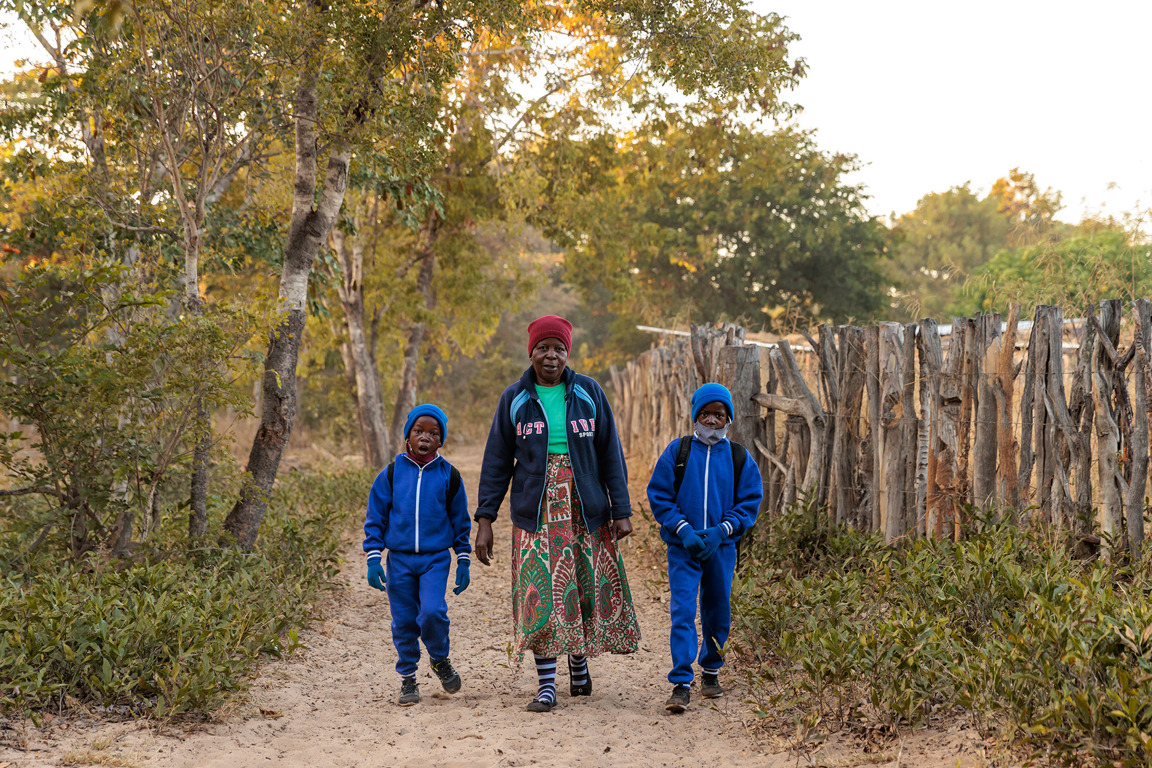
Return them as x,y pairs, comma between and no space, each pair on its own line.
448,676
409,692
539,705
679,699
710,687
580,690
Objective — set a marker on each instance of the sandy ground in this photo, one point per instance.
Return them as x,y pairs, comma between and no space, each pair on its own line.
333,703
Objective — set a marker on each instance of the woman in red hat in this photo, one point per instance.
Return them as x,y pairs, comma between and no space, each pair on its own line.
554,439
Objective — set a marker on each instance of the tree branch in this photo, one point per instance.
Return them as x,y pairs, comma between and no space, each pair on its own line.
44,490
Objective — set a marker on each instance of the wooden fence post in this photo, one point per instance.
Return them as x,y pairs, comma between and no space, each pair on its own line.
1105,369
931,362
1007,491
846,435
987,358
911,427
892,417
1142,346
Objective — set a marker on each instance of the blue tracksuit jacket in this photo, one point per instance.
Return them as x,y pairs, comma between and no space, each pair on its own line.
413,516
517,451
709,494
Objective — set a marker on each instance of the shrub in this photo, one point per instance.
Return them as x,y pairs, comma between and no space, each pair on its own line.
171,635
110,386
1054,653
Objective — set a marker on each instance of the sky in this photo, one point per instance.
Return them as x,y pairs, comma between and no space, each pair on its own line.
929,95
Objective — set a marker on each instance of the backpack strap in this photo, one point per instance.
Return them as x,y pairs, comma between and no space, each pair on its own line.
454,483
739,456
683,449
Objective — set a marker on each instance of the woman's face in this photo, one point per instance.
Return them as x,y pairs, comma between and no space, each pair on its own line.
549,357
713,416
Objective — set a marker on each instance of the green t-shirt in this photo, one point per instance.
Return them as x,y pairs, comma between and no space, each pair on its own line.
552,398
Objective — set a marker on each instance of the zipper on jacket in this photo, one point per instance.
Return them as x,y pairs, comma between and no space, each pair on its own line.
707,464
544,490
419,478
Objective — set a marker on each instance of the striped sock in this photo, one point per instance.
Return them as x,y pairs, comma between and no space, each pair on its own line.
578,669
546,673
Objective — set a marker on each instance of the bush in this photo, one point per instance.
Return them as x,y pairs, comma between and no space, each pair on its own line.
1055,654
110,386
171,635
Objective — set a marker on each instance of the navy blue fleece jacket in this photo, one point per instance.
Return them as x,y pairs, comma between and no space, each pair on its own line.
517,452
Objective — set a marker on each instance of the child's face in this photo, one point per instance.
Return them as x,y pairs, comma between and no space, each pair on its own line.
424,439
713,415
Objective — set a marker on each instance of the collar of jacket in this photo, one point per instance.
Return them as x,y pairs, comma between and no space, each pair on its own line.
528,380
409,460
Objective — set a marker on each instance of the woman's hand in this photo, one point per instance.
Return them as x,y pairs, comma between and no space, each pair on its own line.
621,527
484,540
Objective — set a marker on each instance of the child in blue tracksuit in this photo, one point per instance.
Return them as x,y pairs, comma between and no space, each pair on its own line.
701,518
418,511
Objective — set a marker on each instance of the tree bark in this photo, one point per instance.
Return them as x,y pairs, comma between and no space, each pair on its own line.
309,228
360,360
410,370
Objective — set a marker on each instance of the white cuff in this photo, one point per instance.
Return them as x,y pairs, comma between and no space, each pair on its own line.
463,557
727,527
681,526
374,554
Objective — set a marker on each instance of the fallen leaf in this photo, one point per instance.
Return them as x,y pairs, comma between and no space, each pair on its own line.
270,713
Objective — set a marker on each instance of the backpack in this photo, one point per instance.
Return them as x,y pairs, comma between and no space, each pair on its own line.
739,456
454,481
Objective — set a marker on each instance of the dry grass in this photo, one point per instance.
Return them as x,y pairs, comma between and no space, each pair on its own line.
95,756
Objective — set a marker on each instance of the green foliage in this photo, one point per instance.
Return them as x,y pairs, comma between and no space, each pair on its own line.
1005,626
1077,271
109,385
168,636
698,217
936,248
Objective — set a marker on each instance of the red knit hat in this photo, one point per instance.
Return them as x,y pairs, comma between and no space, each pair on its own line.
549,327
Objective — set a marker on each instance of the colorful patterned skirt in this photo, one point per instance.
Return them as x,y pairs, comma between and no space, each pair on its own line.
569,590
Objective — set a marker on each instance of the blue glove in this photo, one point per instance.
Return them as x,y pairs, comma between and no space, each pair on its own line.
712,538
376,576
692,541
463,579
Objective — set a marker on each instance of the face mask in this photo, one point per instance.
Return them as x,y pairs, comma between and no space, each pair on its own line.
710,436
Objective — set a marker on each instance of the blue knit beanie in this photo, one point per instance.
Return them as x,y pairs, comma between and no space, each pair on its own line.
711,393
427,409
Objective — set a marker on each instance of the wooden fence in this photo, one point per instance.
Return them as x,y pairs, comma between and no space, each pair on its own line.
904,430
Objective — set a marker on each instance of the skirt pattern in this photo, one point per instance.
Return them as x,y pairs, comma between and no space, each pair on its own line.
569,590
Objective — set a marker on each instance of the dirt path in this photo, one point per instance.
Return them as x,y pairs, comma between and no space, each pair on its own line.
333,703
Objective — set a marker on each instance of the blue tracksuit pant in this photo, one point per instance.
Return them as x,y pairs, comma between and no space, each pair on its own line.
710,583
417,583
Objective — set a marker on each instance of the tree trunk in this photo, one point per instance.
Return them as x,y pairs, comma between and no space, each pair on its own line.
410,371
309,228
360,359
